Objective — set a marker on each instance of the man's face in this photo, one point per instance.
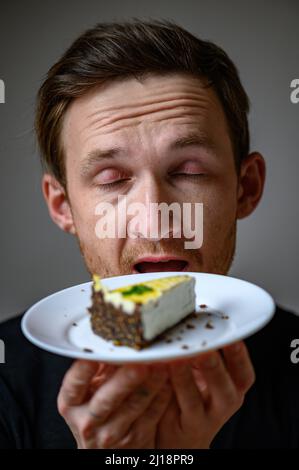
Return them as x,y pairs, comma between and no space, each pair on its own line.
143,120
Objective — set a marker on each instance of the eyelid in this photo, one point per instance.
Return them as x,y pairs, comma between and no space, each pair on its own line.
189,167
112,184
176,173
189,176
116,175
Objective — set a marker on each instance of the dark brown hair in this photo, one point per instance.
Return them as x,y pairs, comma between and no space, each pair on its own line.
119,50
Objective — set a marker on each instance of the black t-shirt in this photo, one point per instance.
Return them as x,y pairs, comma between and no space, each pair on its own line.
269,418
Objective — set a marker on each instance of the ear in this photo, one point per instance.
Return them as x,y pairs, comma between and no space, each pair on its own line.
58,204
251,183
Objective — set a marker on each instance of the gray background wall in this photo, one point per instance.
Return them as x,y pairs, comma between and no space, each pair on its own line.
261,37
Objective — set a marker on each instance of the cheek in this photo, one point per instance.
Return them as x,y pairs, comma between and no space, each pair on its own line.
84,219
83,205
219,209
221,206
95,249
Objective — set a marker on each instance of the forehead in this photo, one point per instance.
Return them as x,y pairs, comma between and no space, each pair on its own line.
142,112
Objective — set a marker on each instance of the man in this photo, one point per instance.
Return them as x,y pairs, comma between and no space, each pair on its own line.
147,111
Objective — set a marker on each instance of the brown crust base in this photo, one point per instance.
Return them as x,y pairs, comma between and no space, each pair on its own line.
113,324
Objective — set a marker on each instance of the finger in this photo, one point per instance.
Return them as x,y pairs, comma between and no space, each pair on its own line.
102,376
114,391
157,407
75,384
201,384
142,431
169,419
223,394
187,393
134,407
239,366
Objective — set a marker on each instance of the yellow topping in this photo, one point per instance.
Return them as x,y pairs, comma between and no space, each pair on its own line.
97,285
141,292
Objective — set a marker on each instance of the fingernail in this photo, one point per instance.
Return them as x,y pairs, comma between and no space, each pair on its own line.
202,384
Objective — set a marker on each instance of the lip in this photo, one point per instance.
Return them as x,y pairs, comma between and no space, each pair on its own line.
157,259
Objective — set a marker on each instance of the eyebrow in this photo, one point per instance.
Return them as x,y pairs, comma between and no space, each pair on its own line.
191,139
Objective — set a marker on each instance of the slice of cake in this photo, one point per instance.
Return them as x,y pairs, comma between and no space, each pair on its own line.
136,314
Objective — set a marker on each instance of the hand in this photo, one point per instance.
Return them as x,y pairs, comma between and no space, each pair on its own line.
114,407
207,391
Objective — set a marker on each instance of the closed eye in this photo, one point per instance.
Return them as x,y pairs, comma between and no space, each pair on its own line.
110,178
113,184
189,169
188,175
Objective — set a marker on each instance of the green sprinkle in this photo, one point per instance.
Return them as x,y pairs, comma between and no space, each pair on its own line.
138,290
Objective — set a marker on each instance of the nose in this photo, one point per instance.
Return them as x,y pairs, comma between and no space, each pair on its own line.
157,216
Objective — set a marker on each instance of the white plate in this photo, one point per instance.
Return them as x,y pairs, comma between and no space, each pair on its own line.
60,323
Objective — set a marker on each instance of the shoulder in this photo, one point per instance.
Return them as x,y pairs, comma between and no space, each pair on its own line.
23,357
20,354
277,374
16,345
269,416
274,341
30,380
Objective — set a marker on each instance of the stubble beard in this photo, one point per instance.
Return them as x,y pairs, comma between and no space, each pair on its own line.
220,263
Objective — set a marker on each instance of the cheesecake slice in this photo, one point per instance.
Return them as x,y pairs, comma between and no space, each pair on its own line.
136,314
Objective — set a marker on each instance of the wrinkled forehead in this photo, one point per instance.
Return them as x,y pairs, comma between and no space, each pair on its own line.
155,104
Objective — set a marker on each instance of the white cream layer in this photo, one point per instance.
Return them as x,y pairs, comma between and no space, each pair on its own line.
171,307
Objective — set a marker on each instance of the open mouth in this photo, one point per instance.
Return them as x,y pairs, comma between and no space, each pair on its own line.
157,266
